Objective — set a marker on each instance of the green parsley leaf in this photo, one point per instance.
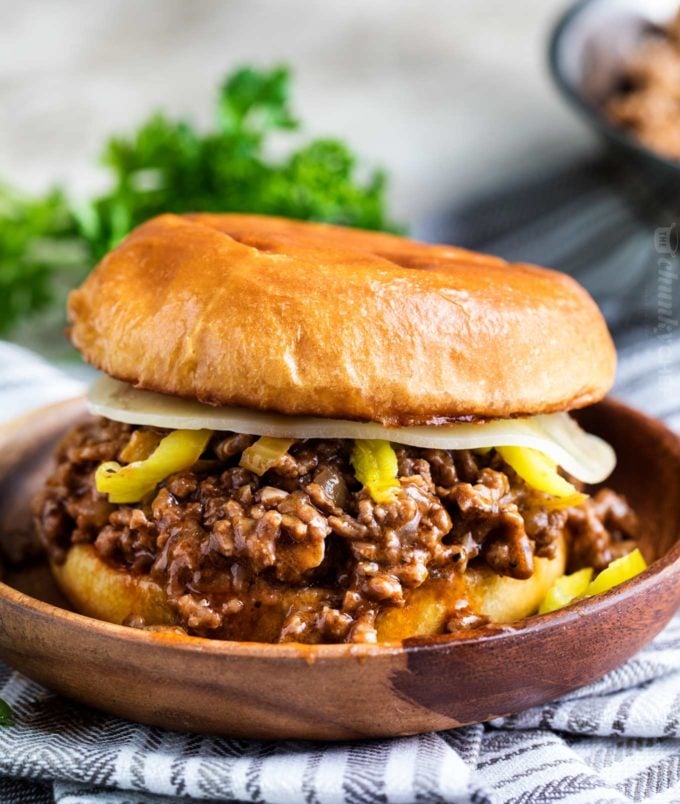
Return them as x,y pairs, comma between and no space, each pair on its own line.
6,718
38,240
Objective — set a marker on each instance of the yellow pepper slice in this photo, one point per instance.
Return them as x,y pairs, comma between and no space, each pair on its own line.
142,443
619,571
540,472
375,467
565,590
179,450
265,453
569,588
557,503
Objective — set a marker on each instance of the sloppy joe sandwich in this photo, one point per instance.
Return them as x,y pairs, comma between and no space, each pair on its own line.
306,433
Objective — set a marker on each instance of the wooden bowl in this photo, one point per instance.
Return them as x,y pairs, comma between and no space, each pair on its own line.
339,692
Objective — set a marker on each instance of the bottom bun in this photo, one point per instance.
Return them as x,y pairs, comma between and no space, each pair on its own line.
99,590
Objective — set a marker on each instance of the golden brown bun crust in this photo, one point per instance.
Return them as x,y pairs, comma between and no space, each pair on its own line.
304,318
98,590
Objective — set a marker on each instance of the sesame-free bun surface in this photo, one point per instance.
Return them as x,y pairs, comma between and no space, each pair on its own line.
304,318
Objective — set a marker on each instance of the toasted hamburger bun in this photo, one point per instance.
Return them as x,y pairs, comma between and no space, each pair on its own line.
99,590
303,318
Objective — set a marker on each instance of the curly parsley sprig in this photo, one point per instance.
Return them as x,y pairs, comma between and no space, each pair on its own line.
6,718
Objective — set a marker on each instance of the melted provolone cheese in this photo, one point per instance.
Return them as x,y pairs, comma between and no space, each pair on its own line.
557,435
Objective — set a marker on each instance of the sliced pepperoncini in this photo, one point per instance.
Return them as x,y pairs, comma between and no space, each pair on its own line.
579,585
565,590
179,450
142,443
375,467
619,571
265,453
540,472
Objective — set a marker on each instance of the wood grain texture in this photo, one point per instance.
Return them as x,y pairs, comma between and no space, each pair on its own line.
341,691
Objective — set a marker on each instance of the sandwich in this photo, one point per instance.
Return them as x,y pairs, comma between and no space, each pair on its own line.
307,433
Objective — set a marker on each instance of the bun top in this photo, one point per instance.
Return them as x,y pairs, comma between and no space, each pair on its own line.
306,318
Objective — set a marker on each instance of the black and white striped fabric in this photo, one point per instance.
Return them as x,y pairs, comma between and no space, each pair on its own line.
617,740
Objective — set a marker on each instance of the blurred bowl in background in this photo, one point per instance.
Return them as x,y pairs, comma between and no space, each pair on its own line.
590,48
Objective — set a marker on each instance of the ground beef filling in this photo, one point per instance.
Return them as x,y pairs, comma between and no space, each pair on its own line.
224,543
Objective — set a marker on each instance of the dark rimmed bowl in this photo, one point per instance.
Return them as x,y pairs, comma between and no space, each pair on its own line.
589,49
338,692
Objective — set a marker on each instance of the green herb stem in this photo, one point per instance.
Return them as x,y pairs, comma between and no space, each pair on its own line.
6,718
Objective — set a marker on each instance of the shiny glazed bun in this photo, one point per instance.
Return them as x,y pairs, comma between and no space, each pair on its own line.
304,318
99,590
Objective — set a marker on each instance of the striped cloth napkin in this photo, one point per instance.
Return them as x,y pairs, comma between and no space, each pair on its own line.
617,740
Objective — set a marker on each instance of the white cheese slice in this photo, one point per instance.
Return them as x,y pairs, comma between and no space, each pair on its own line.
584,456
